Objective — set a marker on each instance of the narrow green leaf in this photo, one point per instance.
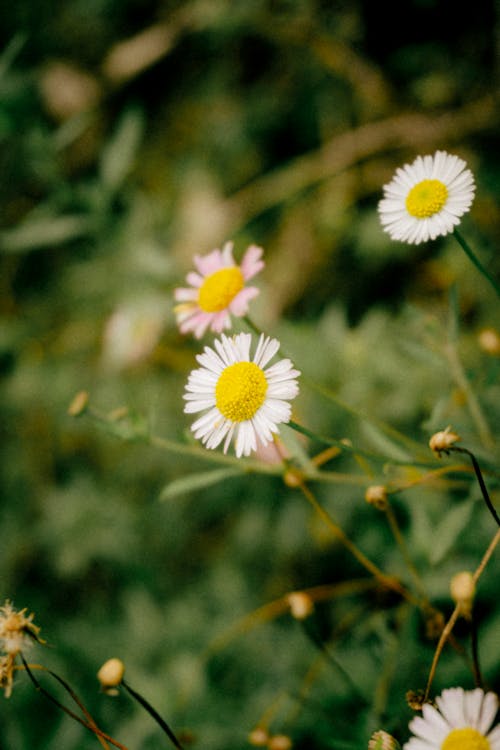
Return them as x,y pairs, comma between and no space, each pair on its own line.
43,232
197,481
119,153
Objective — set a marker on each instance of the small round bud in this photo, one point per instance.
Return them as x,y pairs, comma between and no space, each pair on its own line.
382,741
111,674
443,440
293,478
376,495
301,605
489,341
463,589
258,737
279,742
79,404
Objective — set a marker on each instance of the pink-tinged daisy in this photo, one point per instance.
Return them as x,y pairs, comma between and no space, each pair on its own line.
217,290
461,721
426,199
242,397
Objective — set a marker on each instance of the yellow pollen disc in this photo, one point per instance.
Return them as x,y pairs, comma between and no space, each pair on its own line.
220,288
426,198
465,739
240,391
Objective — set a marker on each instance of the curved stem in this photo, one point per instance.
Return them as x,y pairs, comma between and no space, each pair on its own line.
475,260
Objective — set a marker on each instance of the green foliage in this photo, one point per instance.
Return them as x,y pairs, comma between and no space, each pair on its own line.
274,123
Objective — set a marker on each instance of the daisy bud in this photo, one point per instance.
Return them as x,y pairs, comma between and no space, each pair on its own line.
258,737
382,741
301,605
463,589
280,742
79,404
489,341
293,478
110,675
442,441
376,495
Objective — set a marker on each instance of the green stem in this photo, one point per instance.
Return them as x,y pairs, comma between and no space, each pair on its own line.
479,477
475,260
153,713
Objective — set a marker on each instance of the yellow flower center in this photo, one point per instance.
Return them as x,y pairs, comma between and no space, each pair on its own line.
220,288
426,198
465,739
240,391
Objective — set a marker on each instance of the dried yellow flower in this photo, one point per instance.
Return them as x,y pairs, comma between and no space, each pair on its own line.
376,495
443,440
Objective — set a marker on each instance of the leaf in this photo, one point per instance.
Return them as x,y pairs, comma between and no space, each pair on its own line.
447,532
119,153
197,482
44,232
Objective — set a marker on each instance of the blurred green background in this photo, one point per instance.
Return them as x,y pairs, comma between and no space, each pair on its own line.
133,135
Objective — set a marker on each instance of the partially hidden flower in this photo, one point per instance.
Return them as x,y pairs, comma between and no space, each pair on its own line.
242,397
17,633
461,721
426,199
217,290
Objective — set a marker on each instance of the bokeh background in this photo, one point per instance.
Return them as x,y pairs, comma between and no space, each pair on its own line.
134,134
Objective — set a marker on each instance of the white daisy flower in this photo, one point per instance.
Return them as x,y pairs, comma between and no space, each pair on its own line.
242,397
463,722
426,199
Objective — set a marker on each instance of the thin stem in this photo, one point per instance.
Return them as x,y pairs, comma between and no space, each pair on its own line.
343,446
385,580
398,536
447,630
479,477
154,714
475,260
473,404
445,634
314,636
89,725
478,679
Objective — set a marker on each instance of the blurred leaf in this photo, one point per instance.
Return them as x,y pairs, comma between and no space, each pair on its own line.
35,234
118,154
196,482
447,532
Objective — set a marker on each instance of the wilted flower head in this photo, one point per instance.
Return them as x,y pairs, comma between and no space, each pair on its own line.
17,632
16,629
217,290
441,441
426,199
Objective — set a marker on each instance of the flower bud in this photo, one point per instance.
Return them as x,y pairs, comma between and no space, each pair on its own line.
463,589
376,495
279,742
258,737
110,675
293,478
301,605
442,441
489,341
382,741
79,404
